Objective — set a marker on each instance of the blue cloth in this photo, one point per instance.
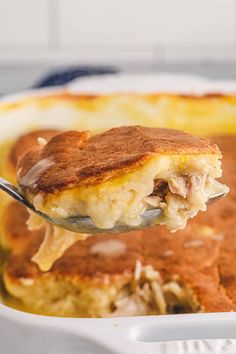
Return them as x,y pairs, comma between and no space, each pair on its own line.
65,75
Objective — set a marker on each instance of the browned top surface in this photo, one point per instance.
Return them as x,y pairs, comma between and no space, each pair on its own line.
188,255
25,142
222,214
15,231
227,264
194,261
83,160
77,97
226,216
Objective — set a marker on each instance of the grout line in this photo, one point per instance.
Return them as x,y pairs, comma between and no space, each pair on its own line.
53,24
234,24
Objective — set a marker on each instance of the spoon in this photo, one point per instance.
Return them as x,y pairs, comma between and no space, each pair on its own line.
84,224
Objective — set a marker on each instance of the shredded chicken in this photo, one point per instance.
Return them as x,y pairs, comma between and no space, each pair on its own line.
148,294
181,197
56,242
179,185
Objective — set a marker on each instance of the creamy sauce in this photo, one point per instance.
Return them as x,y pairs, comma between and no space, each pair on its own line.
41,141
193,244
109,248
32,176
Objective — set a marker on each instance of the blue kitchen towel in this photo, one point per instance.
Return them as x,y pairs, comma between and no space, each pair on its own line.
64,75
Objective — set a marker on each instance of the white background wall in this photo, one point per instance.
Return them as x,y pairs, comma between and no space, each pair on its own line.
116,31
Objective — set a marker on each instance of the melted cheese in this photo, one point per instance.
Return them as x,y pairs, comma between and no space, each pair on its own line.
55,243
108,248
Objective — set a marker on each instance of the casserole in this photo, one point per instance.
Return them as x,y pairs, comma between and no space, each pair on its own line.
26,333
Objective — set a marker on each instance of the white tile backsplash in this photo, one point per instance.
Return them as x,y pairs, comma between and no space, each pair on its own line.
147,21
116,31
109,22
195,22
24,22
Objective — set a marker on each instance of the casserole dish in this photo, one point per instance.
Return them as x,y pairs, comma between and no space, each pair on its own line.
24,333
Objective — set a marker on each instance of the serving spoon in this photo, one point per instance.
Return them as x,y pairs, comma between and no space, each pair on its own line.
84,224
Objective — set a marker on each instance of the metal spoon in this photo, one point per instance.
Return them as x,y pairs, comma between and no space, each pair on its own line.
84,224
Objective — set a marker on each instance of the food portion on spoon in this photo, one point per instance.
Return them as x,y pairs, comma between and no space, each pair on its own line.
117,179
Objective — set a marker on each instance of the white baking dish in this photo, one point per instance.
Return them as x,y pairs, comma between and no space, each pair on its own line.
23,333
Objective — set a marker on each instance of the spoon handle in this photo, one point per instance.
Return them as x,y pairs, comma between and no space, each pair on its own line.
14,192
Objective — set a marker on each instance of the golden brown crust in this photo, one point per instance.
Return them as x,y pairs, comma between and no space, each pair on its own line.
25,142
210,294
15,233
193,261
222,215
45,100
78,261
190,257
79,160
227,263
